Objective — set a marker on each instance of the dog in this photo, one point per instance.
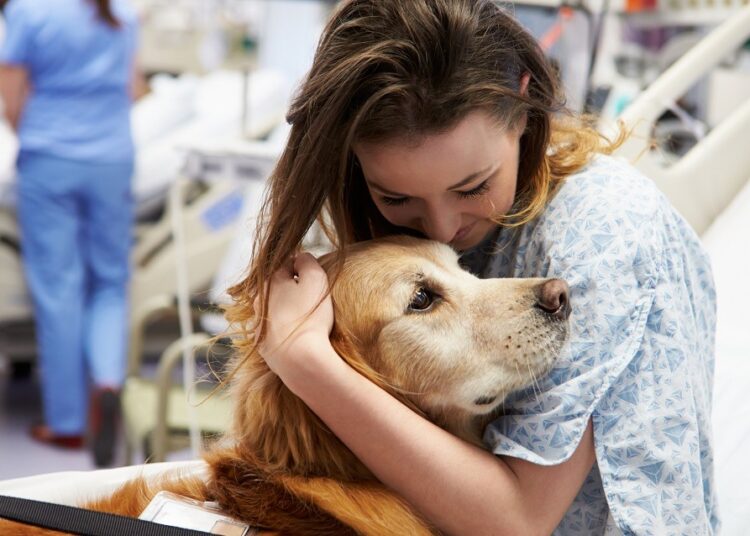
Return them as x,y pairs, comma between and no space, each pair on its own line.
447,344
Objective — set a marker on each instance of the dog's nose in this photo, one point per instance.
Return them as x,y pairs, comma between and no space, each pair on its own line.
552,298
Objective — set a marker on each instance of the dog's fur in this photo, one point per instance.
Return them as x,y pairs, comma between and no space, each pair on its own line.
453,362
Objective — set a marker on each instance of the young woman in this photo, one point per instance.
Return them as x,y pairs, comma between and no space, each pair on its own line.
66,72
441,118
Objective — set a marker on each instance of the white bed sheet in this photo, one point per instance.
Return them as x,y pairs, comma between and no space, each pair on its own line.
728,242
74,488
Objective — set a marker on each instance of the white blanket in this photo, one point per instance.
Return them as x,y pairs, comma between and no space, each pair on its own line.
76,487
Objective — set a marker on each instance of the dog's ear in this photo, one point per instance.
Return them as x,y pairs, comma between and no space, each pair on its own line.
345,344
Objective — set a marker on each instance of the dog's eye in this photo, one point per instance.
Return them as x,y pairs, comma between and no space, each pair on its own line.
422,300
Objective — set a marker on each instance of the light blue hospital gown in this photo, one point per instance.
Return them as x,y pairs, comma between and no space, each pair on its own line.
639,359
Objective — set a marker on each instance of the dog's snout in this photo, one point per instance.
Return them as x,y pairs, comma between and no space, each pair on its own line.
552,298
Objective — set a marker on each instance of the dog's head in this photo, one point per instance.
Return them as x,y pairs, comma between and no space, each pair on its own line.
444,342
449,342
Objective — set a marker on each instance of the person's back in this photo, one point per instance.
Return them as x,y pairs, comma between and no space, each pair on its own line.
80,69
67,67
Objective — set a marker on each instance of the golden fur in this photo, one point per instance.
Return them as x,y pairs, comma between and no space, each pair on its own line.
280,467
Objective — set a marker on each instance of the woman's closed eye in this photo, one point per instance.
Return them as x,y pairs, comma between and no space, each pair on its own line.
476,191
394,201
468,194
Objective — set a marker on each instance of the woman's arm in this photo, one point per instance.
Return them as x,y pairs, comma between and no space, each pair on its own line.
461,488
14,88
138,83
458,486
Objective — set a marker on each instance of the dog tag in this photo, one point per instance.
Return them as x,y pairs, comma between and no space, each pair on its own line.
170,509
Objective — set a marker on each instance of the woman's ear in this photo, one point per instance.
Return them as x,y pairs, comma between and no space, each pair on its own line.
524,84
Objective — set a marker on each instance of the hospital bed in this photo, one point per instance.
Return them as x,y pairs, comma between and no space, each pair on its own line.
155,413
158,413
721,215
723,153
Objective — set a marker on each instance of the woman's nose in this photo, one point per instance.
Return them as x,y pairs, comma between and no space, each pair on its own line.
441,226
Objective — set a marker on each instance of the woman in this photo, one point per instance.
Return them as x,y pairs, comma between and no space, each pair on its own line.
67,68
441,118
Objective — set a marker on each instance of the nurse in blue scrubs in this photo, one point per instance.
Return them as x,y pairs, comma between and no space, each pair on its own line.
67,68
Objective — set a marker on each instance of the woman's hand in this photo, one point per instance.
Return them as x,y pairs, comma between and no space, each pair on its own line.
299,323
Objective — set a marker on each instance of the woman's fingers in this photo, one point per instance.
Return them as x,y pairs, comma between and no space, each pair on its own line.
306,261
295,267
299,313
296,287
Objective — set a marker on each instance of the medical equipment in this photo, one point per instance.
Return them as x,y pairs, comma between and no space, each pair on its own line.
156,411
228,160
616,68
155,408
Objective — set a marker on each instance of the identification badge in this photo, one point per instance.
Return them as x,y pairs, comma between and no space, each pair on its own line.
170,509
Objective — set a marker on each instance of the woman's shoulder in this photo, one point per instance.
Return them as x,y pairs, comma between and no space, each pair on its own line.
607,197
607,214
608,186
606,194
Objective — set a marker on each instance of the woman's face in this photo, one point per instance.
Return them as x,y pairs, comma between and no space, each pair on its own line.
449,185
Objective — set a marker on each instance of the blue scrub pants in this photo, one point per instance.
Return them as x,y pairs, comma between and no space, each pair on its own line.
76,231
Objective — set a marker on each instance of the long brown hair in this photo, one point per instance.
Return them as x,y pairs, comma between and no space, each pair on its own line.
388,68
105,13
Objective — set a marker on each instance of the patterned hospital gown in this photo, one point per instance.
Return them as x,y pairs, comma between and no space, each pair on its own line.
639,360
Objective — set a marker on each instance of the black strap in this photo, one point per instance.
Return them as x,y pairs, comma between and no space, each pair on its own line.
84,522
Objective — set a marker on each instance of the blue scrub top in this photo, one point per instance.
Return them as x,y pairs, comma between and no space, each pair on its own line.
80,71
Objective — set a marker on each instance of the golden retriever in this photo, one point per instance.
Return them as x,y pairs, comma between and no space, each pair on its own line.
447,344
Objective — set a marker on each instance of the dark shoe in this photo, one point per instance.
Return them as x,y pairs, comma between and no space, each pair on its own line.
105,415
44,434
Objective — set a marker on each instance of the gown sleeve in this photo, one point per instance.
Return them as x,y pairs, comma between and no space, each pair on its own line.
640,354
